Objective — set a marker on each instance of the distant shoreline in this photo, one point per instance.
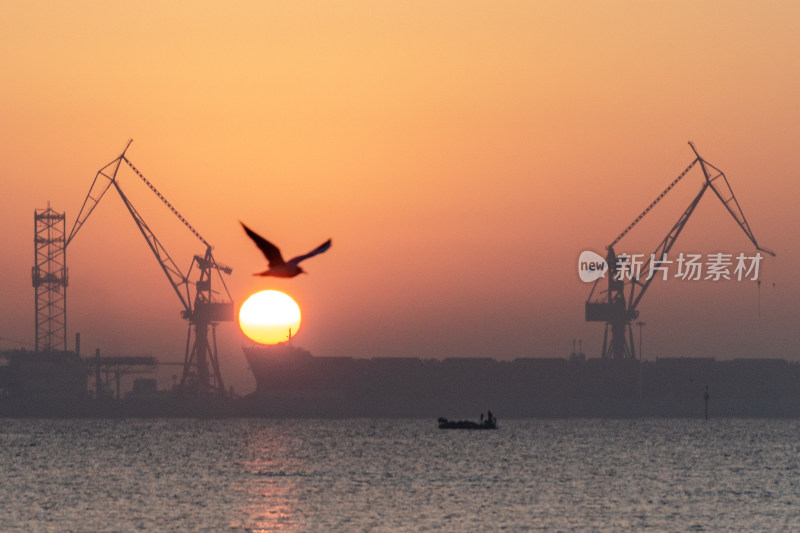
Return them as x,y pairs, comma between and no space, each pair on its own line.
292,383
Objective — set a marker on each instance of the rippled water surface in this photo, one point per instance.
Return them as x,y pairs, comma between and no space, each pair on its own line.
388,475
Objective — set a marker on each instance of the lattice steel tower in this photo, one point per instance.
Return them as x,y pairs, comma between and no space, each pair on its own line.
50,280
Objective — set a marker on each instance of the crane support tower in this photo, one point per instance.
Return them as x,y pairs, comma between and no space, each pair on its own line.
50,280
202,306
617,304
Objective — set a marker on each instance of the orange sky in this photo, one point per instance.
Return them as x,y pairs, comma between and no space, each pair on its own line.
460,154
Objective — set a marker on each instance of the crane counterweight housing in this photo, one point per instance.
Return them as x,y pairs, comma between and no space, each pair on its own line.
214,312
202,306
617,305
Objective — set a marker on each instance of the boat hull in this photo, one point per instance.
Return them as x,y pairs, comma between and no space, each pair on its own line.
466,424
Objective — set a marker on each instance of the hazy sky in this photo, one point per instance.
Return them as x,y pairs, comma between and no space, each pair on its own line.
460,154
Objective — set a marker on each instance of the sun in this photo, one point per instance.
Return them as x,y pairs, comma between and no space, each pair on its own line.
269,317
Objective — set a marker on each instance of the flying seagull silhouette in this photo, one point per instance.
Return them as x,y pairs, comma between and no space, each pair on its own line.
277,266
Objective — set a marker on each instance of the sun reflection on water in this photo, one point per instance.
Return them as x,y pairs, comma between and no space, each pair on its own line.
268,486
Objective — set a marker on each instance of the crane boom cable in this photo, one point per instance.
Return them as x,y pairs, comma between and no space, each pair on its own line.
654,202
166,202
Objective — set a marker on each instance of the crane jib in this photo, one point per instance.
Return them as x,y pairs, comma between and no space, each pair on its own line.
201,367
618,309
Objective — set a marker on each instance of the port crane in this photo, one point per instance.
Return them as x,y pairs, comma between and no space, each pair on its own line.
203,307
617,304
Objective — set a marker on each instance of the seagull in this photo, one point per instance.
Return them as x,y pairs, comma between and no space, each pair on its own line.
277,266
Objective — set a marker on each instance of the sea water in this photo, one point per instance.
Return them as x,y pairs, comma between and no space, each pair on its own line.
399,475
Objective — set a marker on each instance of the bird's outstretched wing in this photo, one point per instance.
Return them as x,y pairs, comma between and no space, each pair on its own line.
318,250
272,253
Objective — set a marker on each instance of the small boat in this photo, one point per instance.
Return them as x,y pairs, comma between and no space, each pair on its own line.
489,423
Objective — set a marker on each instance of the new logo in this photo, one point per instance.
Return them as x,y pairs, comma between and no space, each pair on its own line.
591,266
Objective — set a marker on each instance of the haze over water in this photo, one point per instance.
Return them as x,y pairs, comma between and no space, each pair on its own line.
398,475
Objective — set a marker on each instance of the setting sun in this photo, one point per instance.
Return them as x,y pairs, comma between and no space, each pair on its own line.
269,317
